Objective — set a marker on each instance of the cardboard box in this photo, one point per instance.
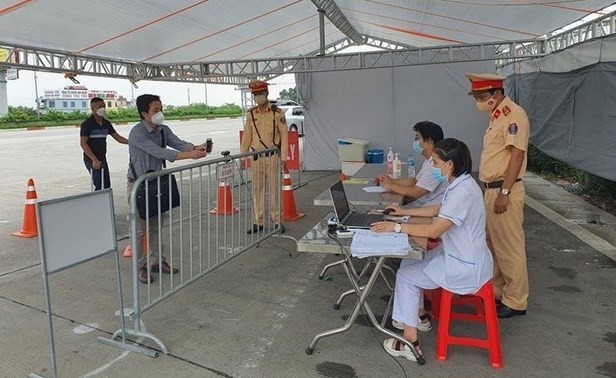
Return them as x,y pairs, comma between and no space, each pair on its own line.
350,149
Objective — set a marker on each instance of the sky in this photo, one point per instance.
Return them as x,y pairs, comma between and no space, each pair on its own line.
21,92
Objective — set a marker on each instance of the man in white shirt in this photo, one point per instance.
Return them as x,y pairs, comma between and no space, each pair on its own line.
424,189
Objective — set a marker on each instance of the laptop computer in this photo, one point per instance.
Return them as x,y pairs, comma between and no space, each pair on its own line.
343,212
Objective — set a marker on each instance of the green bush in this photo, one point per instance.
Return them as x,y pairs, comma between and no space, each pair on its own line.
20,117
586,183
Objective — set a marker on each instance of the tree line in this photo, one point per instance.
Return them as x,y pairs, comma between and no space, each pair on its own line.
21,116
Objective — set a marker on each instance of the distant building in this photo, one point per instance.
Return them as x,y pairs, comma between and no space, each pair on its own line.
77,98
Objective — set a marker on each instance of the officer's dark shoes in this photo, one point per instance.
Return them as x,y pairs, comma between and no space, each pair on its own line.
255,228
282,229
143,275
503,312
496,300
164,267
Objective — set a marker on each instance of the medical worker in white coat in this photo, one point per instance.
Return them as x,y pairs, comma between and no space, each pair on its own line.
462,264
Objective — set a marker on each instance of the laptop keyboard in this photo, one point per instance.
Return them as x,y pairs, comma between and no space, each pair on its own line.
362,220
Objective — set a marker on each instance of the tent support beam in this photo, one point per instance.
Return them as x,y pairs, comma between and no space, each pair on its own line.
241,71
338,19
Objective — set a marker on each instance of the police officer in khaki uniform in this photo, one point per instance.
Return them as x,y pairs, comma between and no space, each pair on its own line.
503,163
265,128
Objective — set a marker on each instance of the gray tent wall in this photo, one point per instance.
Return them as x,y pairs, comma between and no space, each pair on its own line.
382,105
573,112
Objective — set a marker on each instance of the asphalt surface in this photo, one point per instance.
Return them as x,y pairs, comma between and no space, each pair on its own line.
255,316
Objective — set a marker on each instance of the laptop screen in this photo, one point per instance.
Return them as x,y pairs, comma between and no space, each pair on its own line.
341,205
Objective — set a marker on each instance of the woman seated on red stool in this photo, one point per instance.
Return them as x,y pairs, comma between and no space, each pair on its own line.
462,264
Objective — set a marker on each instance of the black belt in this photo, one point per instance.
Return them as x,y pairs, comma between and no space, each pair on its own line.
496,184
264,154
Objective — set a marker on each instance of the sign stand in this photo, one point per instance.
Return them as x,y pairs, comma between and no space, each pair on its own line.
74,230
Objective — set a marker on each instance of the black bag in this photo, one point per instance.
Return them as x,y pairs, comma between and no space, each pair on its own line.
153,196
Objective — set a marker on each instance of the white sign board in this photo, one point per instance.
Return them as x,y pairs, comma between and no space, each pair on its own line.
224,171
12,74
75,229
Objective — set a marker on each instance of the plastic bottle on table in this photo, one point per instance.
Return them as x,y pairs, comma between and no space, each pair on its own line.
410,165
397,173
390,161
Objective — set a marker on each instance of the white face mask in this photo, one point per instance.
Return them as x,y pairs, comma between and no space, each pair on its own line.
486,106
260,99
101,112
158,118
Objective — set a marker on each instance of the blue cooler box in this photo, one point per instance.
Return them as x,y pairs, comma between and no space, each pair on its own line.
374,156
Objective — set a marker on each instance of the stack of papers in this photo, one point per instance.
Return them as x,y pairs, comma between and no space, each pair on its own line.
374,189
367,243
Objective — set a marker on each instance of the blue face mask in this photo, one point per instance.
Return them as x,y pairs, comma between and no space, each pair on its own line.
438,175
416,147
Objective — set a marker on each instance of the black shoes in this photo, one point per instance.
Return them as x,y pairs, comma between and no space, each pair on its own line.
255,228
503,312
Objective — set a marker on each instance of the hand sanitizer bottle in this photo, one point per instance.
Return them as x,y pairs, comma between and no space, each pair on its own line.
410,165
397,167
390,161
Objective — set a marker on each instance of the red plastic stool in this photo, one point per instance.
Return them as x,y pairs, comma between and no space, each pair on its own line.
434,296
492,343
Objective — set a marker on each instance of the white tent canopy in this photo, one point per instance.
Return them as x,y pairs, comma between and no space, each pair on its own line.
161,31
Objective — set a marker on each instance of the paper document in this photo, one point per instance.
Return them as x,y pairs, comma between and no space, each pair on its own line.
357,181
367,243
397,218
374,189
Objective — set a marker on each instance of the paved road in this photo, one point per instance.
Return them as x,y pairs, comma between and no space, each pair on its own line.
53,158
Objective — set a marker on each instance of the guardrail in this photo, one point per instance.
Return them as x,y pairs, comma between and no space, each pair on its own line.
207,229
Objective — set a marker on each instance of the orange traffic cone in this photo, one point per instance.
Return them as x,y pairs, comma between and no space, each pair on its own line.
289,211
29,228
224,201
128,250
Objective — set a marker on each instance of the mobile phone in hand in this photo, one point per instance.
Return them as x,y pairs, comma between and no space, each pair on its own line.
208,145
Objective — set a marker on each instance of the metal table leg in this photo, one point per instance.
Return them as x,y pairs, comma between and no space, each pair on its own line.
361,302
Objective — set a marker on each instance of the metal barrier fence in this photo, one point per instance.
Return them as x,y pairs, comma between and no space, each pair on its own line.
206,230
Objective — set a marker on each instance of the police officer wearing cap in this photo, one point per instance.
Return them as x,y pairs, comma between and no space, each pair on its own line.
265,128
502,166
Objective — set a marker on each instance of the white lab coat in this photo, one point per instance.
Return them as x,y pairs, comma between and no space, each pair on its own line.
462,264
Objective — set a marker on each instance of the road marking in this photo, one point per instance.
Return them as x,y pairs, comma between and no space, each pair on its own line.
120,357
581,233
85,328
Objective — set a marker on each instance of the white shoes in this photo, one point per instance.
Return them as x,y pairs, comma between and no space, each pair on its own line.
398,349
423,325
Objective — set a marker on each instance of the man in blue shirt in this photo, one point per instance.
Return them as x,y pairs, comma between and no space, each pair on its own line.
147,148
93,141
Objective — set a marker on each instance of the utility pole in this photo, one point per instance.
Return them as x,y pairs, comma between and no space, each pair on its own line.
205,84
38,108
188,96
4,107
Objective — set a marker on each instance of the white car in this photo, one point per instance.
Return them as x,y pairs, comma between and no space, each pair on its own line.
295,118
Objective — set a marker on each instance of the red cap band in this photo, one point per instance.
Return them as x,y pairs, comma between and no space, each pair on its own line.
484,85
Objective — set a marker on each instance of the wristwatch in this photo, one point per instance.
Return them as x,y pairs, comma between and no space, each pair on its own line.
505,191
398,227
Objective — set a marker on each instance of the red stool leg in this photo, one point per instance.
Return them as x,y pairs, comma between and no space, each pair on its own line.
435,298
492,329
442,340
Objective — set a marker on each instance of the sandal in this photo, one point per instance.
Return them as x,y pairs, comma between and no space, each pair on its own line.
424,325
421,325
397,348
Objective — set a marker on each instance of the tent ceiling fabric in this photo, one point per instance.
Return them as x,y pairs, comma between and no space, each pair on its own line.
162,31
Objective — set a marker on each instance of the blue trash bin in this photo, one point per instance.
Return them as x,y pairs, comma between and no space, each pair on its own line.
374,156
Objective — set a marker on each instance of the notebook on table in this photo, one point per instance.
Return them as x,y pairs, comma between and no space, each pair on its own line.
345,217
